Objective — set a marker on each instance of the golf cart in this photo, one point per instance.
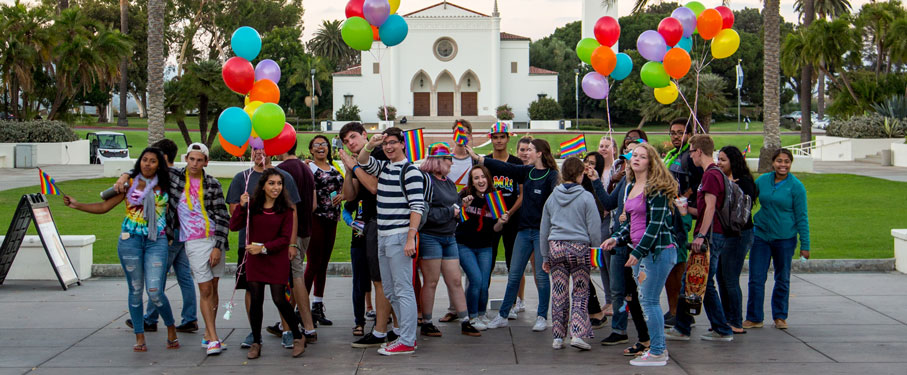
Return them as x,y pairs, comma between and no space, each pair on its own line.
106,146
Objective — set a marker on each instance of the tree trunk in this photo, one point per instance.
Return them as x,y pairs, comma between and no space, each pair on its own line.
62,5
184,130
122,118
771,83
102,114
202,117
806,80
155,70
706,122
143,104
14,89
212,134
642,122
821,95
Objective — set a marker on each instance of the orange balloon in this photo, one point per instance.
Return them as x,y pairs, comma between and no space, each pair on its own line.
709,23
604,60
265,91
677,63
375,34
233,150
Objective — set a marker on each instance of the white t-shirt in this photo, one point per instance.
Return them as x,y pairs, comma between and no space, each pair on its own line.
459,171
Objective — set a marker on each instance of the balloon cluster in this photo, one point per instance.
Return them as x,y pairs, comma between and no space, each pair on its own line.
598,53
261,124
668,49
370,21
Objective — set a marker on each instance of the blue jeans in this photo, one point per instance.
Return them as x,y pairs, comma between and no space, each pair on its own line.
180,264
361,283
711,302
654,271
477,263
618,289
145,265
525,245
438,247
730,265
779,253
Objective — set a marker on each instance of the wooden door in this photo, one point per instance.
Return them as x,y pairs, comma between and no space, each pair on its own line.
445,104
469,103
421,104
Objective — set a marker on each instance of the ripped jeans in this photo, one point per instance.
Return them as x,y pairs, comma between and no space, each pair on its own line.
651,273
145,265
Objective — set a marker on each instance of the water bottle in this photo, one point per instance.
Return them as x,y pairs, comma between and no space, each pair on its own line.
110,193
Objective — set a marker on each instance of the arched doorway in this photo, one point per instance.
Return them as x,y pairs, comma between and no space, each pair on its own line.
469,94
445,86
421,89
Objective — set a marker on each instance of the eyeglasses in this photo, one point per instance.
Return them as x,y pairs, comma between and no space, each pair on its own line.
320,144
678,134
390,143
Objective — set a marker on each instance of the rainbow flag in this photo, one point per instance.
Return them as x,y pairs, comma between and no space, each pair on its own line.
48,185
496,204
463,216
597,256
575,146
461,134
749,147
415,144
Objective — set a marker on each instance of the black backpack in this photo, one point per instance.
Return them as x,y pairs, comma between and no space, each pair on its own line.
426,191
735,212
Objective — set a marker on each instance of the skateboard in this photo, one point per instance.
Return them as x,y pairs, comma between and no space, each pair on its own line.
697,275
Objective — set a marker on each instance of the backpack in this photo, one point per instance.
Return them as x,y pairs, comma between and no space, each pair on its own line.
426,191
735,212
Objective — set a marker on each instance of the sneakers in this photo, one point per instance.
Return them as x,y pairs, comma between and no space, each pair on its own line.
498,322
275,330
540,324
318,314
670,320
369,341
286,340
392,336
512,315
780,324
467,329
370,315
247,342
598,323
615,339
557,344
397,348
223,345
580,344
214,348
148,327
429,329
674,335
520,306
748,324
650,360
189,327
715,336
478,324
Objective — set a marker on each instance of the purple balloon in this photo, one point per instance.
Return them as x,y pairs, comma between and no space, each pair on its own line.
687,18
595,85
267,69
651,45
256,143
376,11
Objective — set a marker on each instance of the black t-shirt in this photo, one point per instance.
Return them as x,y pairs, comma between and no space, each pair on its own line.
468,232
509,188
538,184
369,200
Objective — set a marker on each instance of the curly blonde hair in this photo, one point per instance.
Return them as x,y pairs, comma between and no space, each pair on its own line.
659,180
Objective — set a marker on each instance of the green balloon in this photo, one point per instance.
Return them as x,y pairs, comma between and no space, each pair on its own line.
357,34
585,48
652,74
268,120
696,7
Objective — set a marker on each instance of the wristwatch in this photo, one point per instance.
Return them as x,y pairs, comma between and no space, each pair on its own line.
264,250
700,235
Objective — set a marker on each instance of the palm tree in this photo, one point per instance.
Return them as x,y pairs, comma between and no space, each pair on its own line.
155,70
328,44
824,9
204,81
124,67
27,46
771,82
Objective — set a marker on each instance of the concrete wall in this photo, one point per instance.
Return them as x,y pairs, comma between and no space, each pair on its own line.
801,164
31,261
900,249
849,149
899,154
550,125
220,169
59,153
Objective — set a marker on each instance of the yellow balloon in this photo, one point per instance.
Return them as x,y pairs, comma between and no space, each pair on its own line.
725,43
395,4
251,107
246,100
667,95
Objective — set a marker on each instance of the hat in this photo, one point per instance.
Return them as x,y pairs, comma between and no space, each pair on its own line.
439,150
198,147
498,127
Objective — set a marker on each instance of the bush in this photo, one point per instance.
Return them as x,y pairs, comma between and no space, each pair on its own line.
504,112
218,153
391,113
348,113
545,109
866,126
35,131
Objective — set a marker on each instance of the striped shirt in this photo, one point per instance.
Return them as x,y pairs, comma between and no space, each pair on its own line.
393,207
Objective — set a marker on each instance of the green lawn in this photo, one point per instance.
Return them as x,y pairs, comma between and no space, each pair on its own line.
845,221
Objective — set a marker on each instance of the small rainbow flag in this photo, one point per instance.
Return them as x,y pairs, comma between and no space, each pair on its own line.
461,134
749,147
496,204
597,257
415,144
48,185
575,146
463,216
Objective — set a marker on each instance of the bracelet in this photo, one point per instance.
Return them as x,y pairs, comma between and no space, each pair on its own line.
411,229
368,149
354,168
294,245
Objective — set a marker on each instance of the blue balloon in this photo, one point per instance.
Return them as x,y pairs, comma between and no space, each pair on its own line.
685,43
246,43
623,68
393,31
235,126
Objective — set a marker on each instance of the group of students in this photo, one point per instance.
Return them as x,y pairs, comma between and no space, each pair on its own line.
412,224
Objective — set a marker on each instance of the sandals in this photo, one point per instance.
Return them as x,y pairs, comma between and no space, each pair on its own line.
449,317
175,344
359,330
140,348
635,350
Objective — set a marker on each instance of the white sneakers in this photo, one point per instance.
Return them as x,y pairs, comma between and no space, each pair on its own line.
557,344
578,343
540,324
647,359
497,322
478,324
512,315
520,306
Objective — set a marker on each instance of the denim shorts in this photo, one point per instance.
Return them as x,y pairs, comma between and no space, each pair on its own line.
438,247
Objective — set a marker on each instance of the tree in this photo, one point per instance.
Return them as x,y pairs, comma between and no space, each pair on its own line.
328,44
155,70
122,119
875,20
806,79
712,99
771,83
825,9
26,47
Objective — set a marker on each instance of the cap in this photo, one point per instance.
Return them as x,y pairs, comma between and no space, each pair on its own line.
198,147
439,150
498,127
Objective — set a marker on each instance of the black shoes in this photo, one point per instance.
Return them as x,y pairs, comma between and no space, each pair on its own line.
598,323
310,339
189,327
429,329
372,341
275,330
318,314
148,327
615,339
670,320
467,329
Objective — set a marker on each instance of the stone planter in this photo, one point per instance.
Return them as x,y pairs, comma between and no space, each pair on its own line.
550,124
899,154
31,261
900,249
59,153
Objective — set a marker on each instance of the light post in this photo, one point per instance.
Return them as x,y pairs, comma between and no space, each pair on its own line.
576,93
312,102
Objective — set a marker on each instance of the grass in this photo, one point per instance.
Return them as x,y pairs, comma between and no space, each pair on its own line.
845,221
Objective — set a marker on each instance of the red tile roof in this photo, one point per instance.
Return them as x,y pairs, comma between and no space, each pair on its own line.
354,71
509,36
539,71
442,3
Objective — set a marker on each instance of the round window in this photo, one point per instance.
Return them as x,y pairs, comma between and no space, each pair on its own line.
445,49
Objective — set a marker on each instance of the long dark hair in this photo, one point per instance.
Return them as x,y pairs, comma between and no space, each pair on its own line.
163,171
471,187
738,163
587,183
326,140
281,204
542,146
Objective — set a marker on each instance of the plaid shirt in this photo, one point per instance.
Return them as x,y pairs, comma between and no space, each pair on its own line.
214,205
659,221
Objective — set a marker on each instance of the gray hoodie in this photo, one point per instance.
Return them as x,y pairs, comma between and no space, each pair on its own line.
570,214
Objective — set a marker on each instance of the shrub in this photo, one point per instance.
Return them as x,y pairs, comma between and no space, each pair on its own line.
35,131
894,107
391,113
348,113
866,126
545,109
504,112
218,153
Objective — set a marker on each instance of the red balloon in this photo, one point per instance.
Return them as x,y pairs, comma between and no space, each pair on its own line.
727,16
239,75
354,8
671,29
282,143
607,31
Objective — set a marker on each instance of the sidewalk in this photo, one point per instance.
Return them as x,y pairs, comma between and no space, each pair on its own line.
862,169
839,324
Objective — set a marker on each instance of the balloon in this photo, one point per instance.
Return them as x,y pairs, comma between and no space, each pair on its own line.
585,48
245,101
246,43
393,31
354,8
667,95
282,143
651,45
239,75
250,109
696,7
265,91
727,16
725,43
708,24
687,18
268,120
256,143
671,29
677,63
357,33
234,125
685,43
623,68
232,149
375,35
254,134
652,74
604,60
395,4
376,11
607,31
595,85
267,69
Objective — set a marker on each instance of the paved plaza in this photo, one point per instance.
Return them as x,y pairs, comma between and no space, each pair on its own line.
839,324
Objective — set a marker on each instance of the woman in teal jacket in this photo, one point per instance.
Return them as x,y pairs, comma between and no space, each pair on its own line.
781,219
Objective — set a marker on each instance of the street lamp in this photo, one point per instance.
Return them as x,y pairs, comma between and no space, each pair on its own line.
576,89
312,102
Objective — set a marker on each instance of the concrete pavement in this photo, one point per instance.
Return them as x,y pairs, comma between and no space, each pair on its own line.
862,169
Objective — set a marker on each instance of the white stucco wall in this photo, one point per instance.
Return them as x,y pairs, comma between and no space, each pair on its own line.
59,153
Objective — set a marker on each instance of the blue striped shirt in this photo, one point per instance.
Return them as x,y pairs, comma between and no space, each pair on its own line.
393,207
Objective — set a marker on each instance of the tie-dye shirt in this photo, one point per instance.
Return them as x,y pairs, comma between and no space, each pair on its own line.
192,221
135,223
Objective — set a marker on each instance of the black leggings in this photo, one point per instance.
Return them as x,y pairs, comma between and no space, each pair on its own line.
639,320
257,290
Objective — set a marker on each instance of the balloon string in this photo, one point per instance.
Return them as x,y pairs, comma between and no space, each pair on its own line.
608,113
381,79
692,113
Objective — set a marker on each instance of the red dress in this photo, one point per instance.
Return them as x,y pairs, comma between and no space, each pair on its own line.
273,230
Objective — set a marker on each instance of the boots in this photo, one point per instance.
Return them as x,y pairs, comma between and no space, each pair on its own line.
318,314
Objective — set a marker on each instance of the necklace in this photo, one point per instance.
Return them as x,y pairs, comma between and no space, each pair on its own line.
539,178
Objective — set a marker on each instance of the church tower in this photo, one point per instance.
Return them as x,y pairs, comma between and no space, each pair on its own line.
592,11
